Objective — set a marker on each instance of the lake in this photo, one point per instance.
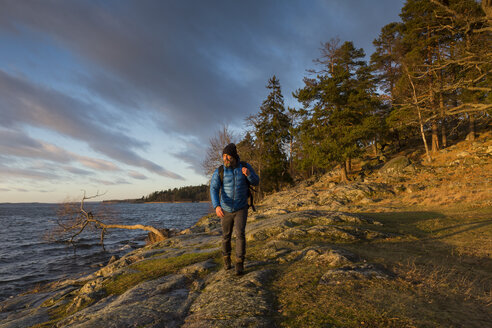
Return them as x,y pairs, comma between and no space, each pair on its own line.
27,259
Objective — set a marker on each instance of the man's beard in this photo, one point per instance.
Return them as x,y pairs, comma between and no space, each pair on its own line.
231,163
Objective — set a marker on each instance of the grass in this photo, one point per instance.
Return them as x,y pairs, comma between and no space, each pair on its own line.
152,269
443,265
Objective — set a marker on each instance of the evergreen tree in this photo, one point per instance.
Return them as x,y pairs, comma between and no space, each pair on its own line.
339,109
447,59
271,128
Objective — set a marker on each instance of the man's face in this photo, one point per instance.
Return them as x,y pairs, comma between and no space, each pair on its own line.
229,161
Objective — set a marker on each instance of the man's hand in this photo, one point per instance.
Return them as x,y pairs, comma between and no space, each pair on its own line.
219,212
245,171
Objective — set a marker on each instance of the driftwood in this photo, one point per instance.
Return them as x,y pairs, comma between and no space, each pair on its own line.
73,219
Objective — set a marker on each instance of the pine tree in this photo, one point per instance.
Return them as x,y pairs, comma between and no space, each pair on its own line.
271,128
339,108
446,61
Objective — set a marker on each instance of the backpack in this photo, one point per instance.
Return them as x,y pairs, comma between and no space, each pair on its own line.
250,194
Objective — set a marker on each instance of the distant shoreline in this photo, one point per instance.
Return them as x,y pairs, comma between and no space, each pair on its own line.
183,201
131,201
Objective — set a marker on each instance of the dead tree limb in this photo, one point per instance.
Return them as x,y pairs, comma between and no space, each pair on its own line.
73,219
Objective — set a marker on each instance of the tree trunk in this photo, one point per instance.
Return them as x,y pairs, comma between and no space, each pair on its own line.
471,133
343,173
290,157
348,165
259,176
443,121
487,8
416,104
423,138
375,147
157,232
435,137
443,134
398,139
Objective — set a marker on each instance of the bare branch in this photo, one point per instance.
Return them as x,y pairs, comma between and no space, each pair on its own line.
73,220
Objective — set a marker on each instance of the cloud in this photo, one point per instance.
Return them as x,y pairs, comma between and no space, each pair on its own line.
26,103
137,175
97,164
190,66
8,173
193,155
16,143
118,181
45,190
197,63
77,171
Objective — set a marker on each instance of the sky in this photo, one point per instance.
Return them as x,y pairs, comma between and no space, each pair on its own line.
121,97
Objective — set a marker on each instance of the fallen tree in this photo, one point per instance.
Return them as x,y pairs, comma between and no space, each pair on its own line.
73,218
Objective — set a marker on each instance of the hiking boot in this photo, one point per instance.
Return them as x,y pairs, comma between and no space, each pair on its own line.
239,268
227,263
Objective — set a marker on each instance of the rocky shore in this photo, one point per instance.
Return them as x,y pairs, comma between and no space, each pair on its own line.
181,282
200,293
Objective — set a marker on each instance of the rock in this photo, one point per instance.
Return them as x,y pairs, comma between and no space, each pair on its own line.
395,165
200,267
31,318
275,211
278,249
410,169
113,258
412,188
118,264
324,256
255,217
463,154
355,272
264,229
88,294
207,223
26,310
23,302
153,238
230,301
163,302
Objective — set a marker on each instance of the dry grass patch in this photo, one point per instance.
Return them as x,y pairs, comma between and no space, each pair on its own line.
443,273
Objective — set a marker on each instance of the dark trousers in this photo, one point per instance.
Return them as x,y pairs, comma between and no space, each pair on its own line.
235,220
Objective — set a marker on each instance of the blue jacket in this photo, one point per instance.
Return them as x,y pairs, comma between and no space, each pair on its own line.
234,190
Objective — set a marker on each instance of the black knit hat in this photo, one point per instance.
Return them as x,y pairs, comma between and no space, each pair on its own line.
231,150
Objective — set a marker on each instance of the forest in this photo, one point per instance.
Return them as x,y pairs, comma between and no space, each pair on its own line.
427,83
183,194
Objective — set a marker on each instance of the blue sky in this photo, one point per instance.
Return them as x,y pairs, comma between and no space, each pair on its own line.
122,96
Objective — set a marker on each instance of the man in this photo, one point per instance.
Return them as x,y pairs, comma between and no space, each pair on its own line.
232,206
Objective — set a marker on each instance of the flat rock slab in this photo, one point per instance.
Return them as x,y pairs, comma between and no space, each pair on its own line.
163,302
26,319
327,256
355,272
230,301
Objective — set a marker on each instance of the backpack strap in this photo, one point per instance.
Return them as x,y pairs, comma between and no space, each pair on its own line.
250,194
221,174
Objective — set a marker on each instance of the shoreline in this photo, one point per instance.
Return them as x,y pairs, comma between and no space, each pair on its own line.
133,202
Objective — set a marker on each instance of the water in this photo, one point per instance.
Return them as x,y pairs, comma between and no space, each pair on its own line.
27,259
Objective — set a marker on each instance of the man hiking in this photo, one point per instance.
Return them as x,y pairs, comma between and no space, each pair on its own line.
232,180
